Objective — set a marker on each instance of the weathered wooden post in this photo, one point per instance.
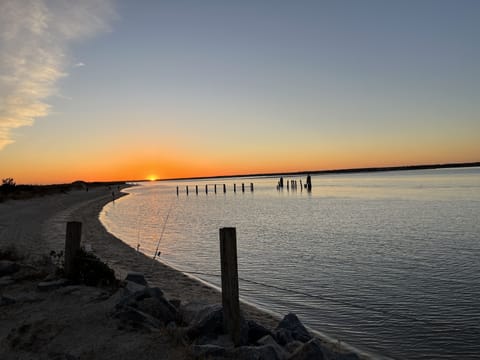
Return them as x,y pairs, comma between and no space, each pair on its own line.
215,188
230,300
177,190
206,189
243,187
251,187
72,245
186,187
224,188
234,188
196,189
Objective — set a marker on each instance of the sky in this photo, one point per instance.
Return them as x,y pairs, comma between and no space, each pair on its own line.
104,90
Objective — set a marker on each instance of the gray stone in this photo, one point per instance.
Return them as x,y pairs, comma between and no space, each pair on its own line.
269,340
256,331
133,287
283,336
176,303
298,332
52,285
190,310
6,280
208,322
137,318
292,346
4,300
264,352
8,267
208,352
312,350
159,308
136,277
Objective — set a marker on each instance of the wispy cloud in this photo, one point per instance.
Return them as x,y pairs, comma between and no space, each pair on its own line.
34,40
79,64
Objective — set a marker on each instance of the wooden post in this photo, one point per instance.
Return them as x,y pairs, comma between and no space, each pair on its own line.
230,300
215,188
206,189
251,187
186,189
177,190
72,245
224,188
243,187
196,189
234,188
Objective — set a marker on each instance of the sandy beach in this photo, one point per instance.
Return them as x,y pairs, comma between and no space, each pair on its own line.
71,322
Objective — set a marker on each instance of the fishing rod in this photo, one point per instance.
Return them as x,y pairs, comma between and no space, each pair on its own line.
163,230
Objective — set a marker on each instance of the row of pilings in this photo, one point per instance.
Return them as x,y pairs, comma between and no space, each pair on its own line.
196,189
293,184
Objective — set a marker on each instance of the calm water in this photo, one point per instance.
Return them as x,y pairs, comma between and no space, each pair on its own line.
387,262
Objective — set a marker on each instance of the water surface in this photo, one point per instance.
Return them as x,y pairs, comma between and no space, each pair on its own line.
388,262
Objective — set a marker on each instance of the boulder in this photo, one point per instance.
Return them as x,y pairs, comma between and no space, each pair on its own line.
8,267
207,322
292,324
208,352
264,352
312,350
137,318
4,300
159,308
136,277
256,331
269,340
53,284
283,336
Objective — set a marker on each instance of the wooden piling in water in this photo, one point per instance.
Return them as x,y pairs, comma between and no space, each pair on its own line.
215,188
186,188
234,188
196,189
72,245
224,188
251,187
206,189
177,190
230,294
243,187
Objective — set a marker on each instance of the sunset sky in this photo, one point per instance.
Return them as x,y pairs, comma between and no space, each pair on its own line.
119,90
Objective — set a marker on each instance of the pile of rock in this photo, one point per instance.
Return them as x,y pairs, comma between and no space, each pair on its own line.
200,325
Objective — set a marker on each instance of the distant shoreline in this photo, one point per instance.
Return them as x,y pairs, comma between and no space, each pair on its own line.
334,171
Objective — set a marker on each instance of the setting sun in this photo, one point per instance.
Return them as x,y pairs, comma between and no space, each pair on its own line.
152,177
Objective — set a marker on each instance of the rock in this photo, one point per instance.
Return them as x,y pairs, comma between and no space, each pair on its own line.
159,308
264,352
176,303
298,332
208,352
8,267
52,285
292,346
136,277
190,310
4,300
6,280
137,318
133,287
155,292
283,336
312,350
256,331
335,354
208,322
269,340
